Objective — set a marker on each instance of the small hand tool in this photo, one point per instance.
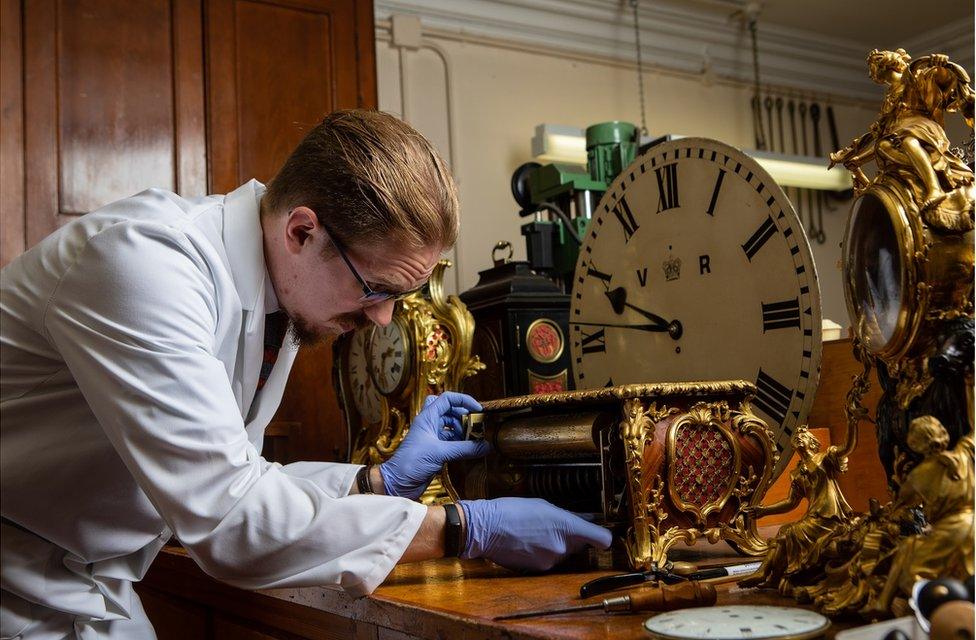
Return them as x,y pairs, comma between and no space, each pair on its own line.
832,126
791,108
768,103
803,125
779,122
757,122
663,598
668,573
820,236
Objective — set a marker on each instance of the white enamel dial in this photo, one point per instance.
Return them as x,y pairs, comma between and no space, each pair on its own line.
364,393
695,267
389,357
735,622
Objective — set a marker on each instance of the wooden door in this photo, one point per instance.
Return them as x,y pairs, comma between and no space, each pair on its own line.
113,103
275,68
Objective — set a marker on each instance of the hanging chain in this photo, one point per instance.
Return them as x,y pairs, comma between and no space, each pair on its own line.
640,68
760,138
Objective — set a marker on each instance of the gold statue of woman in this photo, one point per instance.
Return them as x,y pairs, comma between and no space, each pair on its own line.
797,549
908,139
942,483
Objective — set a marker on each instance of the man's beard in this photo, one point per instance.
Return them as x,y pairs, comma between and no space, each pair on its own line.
303,334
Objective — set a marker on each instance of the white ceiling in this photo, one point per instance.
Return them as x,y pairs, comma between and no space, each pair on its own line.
872,23
808,45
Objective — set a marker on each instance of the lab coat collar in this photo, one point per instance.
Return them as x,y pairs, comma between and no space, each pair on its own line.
244,243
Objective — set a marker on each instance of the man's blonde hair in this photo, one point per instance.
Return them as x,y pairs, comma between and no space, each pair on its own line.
370,177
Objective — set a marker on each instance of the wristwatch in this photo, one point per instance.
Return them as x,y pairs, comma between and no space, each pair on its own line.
452,533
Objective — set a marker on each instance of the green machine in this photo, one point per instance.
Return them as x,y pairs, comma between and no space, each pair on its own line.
562,197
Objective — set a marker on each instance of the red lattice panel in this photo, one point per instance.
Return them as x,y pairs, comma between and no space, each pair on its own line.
702,464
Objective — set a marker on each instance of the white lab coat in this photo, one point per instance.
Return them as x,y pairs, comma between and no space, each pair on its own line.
131,342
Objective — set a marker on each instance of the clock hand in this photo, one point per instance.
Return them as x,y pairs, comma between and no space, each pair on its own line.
654,328
618,300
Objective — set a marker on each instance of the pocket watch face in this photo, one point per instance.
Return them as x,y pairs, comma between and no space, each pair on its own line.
695,267
389,358
365,396
875,274
738,621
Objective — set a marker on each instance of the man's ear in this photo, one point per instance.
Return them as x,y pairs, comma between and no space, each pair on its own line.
301,229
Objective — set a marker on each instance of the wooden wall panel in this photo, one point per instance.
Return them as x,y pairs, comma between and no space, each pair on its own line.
275,68
115,97
12,222
116,123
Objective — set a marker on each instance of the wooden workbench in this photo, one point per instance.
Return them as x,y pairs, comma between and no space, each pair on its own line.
439,599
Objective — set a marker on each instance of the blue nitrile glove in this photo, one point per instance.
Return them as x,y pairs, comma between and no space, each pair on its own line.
430,442
526,533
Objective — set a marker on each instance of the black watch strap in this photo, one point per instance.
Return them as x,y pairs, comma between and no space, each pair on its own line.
452,533
362,480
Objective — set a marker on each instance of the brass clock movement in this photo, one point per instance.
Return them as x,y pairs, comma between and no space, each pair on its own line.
695,267
383,374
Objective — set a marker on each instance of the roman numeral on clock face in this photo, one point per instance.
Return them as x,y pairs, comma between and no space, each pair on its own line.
772,396
759,238
781,315
667,187
718,187
595,342
593,272
626,218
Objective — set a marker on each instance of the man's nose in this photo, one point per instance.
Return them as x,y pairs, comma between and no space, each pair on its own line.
381,314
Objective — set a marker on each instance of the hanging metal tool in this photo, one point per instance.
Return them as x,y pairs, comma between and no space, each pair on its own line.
757,123
806,195
792,192
820,236
832,126
791,108
640,68
779,122
757,113
664,598
768,103
834,146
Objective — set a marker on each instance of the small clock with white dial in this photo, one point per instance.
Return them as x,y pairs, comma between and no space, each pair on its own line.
365,396
389,358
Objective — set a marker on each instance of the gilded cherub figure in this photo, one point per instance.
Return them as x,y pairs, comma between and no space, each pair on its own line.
795,555
908,139
942,483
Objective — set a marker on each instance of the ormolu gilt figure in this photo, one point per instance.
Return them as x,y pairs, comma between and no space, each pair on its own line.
795,555
943,485
908,138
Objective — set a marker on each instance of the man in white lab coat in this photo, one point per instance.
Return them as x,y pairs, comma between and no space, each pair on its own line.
140,365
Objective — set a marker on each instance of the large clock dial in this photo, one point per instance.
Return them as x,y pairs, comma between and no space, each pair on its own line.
364,393
695,267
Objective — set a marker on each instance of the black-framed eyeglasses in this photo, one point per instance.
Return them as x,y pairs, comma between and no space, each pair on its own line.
370,297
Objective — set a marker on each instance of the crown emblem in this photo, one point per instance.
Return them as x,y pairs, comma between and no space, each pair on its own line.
671,266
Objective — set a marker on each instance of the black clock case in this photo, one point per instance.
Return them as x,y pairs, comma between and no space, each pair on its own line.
508,298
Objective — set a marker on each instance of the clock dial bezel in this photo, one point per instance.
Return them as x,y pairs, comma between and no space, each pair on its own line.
366,338
656,167
906,229
698,613
403,383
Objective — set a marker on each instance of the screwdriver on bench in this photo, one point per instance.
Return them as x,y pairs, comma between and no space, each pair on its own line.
662,598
